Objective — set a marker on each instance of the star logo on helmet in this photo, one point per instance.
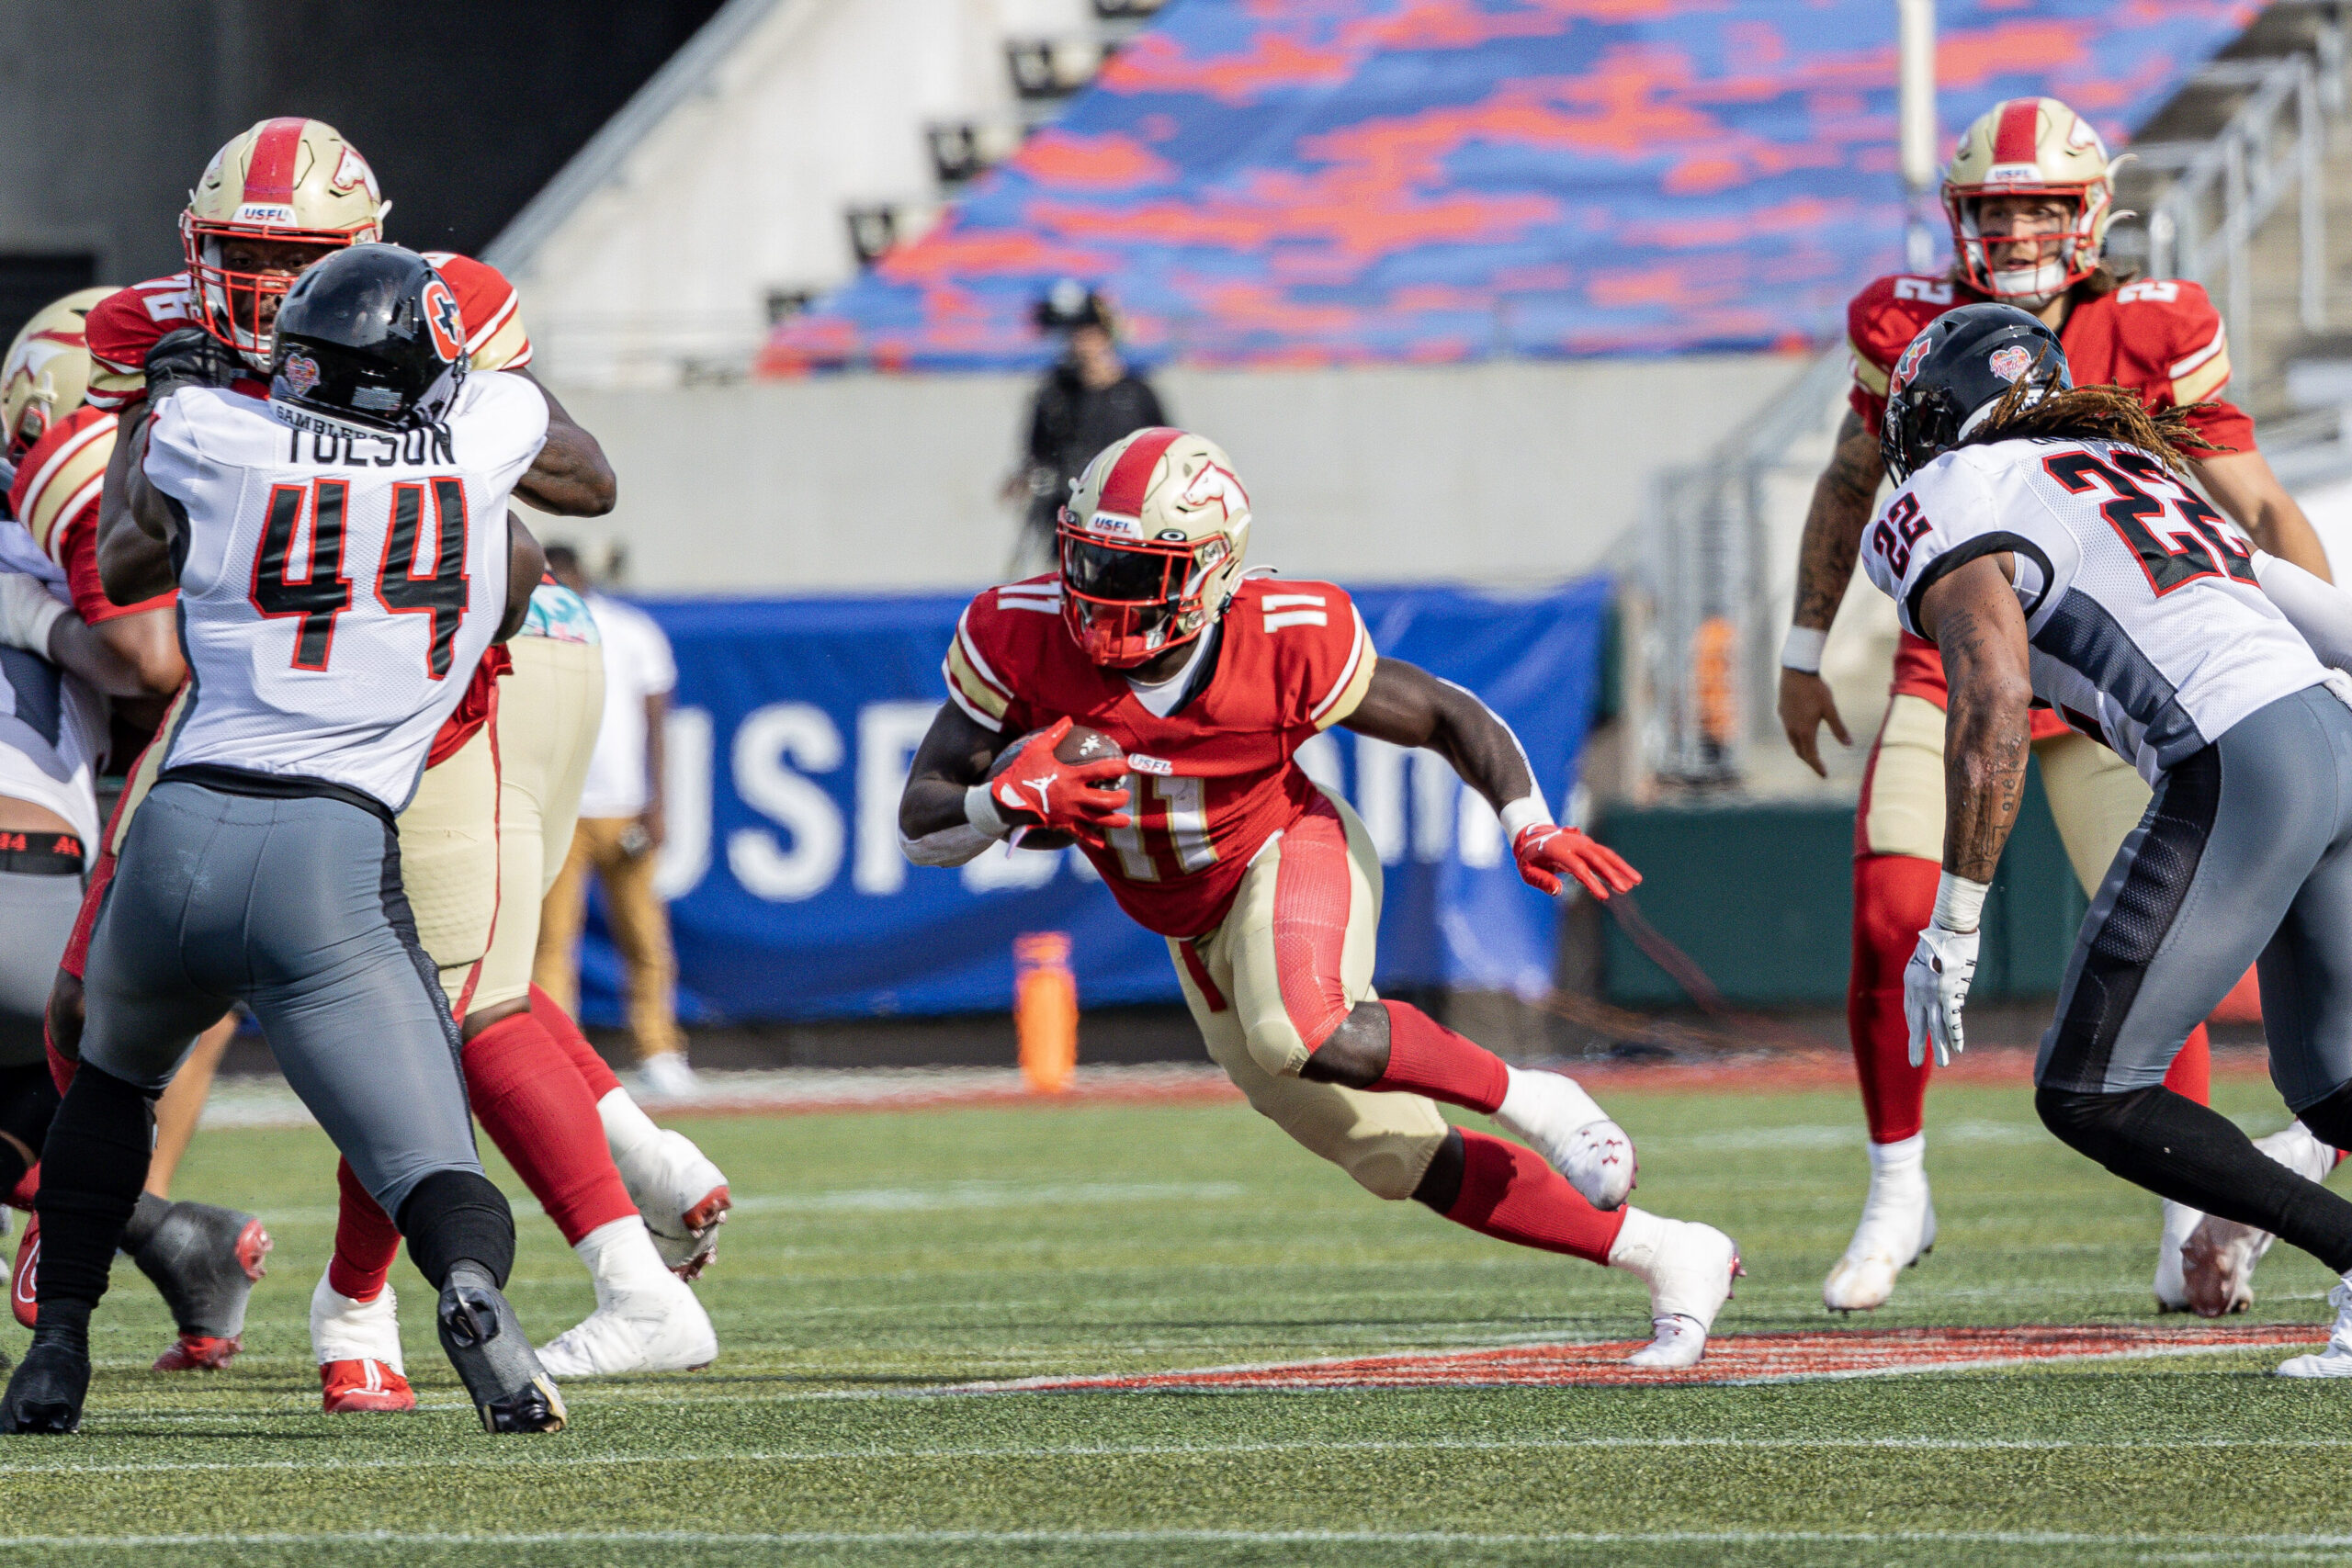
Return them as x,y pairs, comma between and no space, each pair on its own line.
2010,362
441,319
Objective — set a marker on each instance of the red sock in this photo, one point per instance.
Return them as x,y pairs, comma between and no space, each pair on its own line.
566,1033
1508,1192
1895,897
543,1119
2191,1072
1426,1057
366,1240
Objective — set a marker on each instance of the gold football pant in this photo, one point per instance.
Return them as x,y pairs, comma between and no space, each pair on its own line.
1280,972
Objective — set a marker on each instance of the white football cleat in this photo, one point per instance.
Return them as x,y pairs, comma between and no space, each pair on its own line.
666,1076
1897,1229
1688,1268
344,1328
1553,1116
646,1319
2217,1256
2336,1362
2171,1283
682,1194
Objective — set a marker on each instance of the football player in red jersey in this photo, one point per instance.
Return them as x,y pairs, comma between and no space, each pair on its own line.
275,199
204,1259
2030,194
1266,886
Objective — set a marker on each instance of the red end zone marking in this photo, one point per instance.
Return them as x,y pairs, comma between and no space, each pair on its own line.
1747,1358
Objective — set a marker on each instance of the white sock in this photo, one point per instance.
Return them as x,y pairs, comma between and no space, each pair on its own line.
1521,1087
1638,1239
1904,1157
620,1258
630,1133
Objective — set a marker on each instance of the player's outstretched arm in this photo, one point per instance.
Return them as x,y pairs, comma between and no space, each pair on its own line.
526,565
1971,614
1833,535
569,477
2242,485
1406,706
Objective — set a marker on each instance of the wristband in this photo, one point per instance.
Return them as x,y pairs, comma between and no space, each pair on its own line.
1527,811
1801,650
980,811
1960,903
43,621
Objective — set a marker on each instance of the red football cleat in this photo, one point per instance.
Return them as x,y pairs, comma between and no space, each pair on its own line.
22,1282
349,1387
199,1353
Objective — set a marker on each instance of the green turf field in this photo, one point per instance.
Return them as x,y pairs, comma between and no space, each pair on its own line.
873,1254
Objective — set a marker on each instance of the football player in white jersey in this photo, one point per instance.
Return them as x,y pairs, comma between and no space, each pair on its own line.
2045,537
345,558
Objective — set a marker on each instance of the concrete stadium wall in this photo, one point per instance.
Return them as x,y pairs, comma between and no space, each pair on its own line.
1498,474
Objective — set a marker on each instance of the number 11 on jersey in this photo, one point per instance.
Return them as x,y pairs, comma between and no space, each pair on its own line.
1181,821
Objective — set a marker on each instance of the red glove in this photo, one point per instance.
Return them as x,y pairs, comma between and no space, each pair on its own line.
1544,850
1036,788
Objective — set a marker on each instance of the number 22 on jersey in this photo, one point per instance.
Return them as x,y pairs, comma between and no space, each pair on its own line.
299,568
1172,824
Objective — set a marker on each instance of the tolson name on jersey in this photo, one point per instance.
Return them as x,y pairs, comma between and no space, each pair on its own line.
348,445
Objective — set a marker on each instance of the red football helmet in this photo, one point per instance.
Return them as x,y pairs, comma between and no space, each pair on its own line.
288,181
1151,544
2029,147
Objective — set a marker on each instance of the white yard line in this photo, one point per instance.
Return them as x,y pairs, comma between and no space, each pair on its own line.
868,1454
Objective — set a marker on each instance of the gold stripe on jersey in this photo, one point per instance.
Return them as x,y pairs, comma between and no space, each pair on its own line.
976,696
110,387
1348,696
2204,381
508,348
1872,378
68,481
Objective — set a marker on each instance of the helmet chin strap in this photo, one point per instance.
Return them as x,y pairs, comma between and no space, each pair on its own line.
2031,289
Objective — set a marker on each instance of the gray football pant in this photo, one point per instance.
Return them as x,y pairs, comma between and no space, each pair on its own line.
36,916
292,906
2244,854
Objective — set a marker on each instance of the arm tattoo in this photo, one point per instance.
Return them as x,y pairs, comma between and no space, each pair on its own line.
1987,740
1833,523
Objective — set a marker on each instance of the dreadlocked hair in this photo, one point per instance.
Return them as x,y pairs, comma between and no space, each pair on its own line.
2098,413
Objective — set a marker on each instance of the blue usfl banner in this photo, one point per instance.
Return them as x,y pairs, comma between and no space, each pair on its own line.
788,743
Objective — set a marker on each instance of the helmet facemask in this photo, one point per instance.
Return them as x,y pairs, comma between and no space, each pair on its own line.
1129,600
239,307
2059,259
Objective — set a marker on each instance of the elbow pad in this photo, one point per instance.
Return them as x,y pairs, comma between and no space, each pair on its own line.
949,846
2318,609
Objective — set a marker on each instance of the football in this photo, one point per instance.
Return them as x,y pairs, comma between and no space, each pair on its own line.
1081,745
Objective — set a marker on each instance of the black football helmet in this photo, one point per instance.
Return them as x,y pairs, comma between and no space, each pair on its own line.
369,336
1961,363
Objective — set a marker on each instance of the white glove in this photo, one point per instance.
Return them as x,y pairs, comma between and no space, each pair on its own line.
27,611
1935,983
1935,988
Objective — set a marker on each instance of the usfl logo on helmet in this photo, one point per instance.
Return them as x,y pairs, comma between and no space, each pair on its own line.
301,372
2010,362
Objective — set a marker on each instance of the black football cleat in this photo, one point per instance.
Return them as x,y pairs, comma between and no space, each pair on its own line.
484,1341
204,1260
47,1392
